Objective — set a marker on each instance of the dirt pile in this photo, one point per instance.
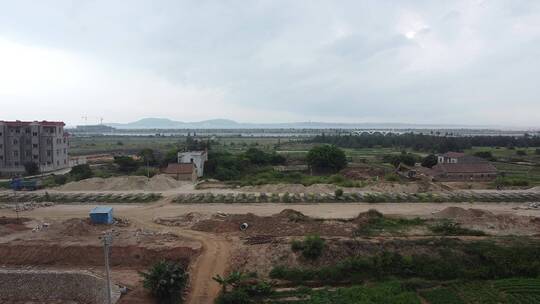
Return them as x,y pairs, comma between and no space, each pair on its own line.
287,222
124,183
459,213
185,220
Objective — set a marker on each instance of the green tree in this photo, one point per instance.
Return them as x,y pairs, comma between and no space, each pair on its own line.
166,280
327,158
31,168
80,172
485,155
148,157
429,161
126,163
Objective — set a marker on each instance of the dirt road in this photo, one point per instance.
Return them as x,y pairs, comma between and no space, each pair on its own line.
324,210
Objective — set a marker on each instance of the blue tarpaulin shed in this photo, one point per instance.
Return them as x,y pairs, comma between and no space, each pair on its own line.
101,215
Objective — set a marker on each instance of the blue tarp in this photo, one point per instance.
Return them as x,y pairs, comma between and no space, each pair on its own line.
101,215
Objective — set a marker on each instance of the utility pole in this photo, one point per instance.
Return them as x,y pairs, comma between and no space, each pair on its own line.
107,242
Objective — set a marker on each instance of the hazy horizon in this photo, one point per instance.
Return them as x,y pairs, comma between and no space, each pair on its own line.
412,62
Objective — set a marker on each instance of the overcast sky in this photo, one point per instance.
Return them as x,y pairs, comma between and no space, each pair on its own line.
459,62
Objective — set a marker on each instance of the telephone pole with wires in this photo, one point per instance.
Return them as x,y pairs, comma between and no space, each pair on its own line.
107,242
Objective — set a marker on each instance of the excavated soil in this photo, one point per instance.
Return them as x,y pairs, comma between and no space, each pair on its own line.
286,223
496,224
77,242
124,183
9,225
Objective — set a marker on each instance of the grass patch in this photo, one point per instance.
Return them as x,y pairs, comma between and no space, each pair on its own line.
377,223
449,228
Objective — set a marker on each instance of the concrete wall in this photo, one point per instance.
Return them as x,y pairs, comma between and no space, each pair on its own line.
40,285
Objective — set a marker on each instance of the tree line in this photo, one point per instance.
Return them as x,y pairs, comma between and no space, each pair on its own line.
428,143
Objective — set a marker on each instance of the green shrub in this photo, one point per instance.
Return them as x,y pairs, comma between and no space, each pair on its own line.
80,172
338,192
454,229
311,247
166,281
60,179
391,177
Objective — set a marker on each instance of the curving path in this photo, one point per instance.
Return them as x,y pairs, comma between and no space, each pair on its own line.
213,259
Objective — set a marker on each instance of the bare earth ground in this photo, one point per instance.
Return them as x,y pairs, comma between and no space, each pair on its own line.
218,249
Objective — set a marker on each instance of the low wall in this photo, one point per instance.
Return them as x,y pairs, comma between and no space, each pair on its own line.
40,285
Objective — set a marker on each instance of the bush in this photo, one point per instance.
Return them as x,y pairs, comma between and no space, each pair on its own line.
126,163
166,280
311,247
454,229
327,158
485,155
429,161
391,177
537,151
521,152
31,168
144,171
80,172
60,179
338,193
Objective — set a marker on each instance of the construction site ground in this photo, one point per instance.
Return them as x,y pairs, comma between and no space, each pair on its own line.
208,236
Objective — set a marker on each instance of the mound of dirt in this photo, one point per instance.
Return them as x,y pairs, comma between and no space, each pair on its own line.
123,183
457,213
286,223
78,227
187,219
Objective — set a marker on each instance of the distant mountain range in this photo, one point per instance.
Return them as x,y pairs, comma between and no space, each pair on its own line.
165,123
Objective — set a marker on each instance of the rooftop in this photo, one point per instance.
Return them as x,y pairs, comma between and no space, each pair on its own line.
101,209
19,123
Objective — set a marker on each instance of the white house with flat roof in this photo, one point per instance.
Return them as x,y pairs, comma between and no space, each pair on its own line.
197,158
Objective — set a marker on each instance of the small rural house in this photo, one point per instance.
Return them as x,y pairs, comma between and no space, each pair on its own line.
102,215
453,166
197,158
185,172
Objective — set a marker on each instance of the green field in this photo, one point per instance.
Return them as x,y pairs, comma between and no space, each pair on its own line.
506,291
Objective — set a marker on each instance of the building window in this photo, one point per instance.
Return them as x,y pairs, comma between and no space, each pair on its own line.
1,157
18,131
15,141
34,134
16,153
48,152
16,163
27,130
35,145
27,153
35,156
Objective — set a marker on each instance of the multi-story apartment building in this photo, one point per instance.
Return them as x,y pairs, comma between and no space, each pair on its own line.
42,142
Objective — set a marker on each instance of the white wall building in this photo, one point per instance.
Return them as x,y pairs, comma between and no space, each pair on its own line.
197,158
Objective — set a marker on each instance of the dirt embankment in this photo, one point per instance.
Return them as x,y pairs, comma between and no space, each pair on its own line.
495,224
77,242
124,183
